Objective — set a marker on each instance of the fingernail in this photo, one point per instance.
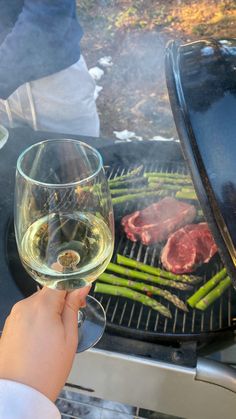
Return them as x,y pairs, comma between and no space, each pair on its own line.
83,292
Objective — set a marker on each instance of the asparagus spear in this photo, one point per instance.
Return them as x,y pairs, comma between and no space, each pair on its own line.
214,294
199,213
147,277
132,173
134,197
187,189
124,191
186,195
116,280
166,175
123,260
133,295
113,183
206,288
170,180
163,186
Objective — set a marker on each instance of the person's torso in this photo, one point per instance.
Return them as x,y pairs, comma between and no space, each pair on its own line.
38,38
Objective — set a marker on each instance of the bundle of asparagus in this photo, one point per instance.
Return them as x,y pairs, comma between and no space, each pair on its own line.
124,286
148,289
133,295
190,279
130,273
210,291
182,182
154,184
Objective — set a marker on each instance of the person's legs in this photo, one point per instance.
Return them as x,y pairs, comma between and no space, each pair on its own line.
11,112
63,102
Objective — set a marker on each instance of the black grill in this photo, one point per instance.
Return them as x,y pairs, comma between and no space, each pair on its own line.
124,317
137,321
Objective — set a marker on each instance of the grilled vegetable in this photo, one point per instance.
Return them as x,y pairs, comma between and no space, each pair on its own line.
114,184
124,191
206,288
186,195
134,197
167,175
123,260
132,173
171,180
187,189
135,194
130,273
151,187
162,185
214,294
133,295
115,280
157,181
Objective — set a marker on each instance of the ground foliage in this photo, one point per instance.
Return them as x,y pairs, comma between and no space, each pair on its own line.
135,33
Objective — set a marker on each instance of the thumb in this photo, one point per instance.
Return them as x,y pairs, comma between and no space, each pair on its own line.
74,300
50,300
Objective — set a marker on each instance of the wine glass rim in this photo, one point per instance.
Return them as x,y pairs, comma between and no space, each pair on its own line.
59,185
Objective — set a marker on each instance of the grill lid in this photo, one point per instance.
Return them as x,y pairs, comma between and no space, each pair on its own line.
201,81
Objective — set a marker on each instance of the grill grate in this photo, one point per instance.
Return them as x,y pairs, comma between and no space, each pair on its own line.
135,320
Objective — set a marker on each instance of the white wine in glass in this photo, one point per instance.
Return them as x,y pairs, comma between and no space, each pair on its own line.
64,222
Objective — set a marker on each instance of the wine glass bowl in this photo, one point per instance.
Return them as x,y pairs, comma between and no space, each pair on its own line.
64,222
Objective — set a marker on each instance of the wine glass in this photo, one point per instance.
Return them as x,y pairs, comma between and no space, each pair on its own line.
64,223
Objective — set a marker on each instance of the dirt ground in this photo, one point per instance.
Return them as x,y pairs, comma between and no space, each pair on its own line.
134,34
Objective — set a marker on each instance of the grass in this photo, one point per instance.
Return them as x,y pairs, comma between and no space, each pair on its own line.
206,18
189,17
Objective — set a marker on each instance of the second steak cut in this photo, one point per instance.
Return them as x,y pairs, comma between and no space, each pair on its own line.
156,222
188,248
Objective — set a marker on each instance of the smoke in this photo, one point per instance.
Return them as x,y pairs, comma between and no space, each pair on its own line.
134,96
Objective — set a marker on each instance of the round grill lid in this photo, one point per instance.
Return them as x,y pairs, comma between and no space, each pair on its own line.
201,81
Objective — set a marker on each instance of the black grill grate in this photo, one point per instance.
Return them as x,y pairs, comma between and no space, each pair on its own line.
135,320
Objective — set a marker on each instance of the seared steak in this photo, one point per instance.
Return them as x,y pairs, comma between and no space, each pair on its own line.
188,248
156,222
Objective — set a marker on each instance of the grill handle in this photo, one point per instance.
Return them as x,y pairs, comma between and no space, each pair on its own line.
216,373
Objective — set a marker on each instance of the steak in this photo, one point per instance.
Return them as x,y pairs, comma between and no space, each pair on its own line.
188,248
156,222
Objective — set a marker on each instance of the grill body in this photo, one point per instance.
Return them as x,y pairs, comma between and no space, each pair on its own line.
127,318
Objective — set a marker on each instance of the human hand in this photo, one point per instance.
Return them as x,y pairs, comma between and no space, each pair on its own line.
40,338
